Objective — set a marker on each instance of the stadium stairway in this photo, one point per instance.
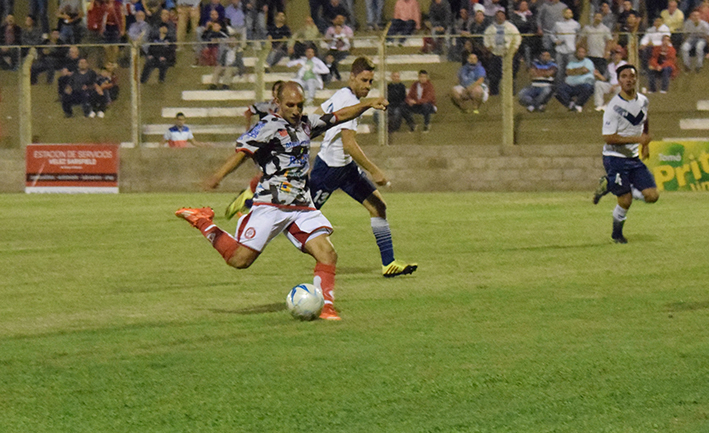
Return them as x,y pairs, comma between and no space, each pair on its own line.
210,104
697,123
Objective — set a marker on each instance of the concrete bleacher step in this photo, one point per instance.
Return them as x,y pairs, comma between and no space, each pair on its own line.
286,76
394,59
212,112
249,95
234,130
703,105
694,124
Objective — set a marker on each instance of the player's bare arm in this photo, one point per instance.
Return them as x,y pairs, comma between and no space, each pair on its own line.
354,111
643,139
229,166
349,145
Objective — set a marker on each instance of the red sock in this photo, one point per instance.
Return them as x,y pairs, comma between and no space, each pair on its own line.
254,182
221,240
325,279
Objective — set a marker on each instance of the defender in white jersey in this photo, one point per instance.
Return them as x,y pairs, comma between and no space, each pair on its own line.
336,167
280,143
625,132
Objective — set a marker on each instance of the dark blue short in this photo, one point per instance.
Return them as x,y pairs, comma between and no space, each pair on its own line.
324,180
624,172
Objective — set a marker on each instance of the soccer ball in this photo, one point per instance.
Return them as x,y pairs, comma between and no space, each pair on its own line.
305,302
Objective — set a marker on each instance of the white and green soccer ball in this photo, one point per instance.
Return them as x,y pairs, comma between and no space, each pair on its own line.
305,302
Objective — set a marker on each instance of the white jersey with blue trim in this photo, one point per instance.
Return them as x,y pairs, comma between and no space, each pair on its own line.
627,119
331,149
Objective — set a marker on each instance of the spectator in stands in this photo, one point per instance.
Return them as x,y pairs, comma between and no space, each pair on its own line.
374,13
608,17
130,8
396,95
102,97
549,13
539,92
139,31
688,6
461,26
215,28
598,40
161,54
10,34
471,85
304,37
70,14
49,58
492,7
523,18
704,11
180,135
696,33
339,42
673,17
607,83
407,19
256,15
310,71
421,99
332,10
662,65
501,37
187,11
114,88
230,59
278,35
235,16
31,34
206,13
164,20
565,33
114,28
626,10
39,10
67,65
152,11
441,19
80,90
577,87
652,38
480,22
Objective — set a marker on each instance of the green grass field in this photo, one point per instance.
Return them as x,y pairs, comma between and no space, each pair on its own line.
523,317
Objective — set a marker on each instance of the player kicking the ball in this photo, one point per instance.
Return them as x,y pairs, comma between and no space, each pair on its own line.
625,131
280,143
338,163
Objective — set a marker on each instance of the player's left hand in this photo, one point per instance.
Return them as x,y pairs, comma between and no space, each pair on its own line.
380,104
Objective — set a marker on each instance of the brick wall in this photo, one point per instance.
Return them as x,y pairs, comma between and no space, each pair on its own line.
410,168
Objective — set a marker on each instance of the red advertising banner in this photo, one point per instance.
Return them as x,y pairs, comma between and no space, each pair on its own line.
71,168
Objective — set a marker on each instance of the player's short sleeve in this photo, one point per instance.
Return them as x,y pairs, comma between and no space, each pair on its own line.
257,137
341,100
610,121
321,123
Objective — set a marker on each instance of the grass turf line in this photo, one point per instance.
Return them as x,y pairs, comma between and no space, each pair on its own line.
523,317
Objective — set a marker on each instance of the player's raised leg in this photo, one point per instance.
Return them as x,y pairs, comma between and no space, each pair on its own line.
382,233
322,250
243,202
233,253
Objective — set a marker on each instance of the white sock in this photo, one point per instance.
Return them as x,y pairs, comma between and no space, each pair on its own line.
619,213
637,194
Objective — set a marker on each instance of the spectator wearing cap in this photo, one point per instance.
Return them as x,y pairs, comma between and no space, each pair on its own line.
407,19
696,33
607,83
662,65
598,39
578,85
501,37
565,34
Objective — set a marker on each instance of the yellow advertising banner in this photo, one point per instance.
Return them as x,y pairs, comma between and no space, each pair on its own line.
680,165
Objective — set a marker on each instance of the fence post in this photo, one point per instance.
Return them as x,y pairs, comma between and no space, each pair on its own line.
25,99
136,136
383,127
508,127
260,69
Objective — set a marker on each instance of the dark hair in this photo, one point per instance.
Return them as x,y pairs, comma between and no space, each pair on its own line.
423,71
361,64
179,114
624,67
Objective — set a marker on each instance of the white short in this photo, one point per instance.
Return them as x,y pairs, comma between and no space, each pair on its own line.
461,91
258,227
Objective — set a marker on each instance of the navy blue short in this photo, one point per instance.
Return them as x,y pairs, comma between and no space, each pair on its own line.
324,180
624,172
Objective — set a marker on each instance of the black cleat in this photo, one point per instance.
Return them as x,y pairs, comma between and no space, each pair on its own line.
601,189
619,239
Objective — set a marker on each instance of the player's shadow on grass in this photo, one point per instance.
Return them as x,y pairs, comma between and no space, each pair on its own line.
257,309
687,306
353,270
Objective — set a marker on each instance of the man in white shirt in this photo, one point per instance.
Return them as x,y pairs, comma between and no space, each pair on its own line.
564,37
652,38
337,166
608,83
625,132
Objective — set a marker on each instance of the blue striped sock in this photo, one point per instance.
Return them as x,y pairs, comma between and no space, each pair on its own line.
382,233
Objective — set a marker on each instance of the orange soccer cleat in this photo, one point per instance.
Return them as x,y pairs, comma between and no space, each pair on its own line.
194,215
328,313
